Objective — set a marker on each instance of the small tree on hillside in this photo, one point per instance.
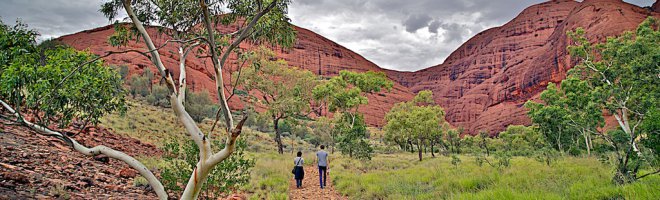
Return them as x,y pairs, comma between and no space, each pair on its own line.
284,91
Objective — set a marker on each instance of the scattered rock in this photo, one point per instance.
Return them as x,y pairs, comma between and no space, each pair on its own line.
86,182
127,173
236,197
37,169
102,158
17,177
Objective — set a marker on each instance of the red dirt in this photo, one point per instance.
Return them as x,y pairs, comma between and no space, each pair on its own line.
33,166
311,188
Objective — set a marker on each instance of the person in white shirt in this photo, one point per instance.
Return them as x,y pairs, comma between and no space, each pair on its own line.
322,158
299,173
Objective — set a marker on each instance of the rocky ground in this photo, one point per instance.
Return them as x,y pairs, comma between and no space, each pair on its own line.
33,166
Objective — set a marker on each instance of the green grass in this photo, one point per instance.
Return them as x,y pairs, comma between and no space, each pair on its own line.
147,123
400,176
270,177
157,125
393,176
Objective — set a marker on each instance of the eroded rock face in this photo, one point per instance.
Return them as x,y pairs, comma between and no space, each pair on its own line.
311,52
482,85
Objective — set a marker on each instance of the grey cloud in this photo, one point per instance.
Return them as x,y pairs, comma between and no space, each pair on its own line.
454,32
416,22
433,27
53,18
387,32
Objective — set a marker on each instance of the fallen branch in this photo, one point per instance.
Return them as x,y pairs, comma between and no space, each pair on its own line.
135,164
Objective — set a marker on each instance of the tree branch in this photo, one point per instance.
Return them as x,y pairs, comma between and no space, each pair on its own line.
651,173
218,69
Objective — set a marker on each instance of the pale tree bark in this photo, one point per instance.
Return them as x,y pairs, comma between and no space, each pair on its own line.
132,162
207,159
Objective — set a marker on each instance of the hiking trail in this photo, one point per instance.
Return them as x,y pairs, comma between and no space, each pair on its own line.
310,187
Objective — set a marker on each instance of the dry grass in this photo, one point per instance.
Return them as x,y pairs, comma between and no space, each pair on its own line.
401,176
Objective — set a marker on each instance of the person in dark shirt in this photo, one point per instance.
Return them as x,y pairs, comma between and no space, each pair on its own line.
299,172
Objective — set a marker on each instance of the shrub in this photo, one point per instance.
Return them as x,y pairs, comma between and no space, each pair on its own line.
123,71
258,121
225,177
199,105
140,85
159,96
455,160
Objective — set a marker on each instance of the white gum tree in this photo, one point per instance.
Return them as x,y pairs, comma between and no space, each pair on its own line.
191,25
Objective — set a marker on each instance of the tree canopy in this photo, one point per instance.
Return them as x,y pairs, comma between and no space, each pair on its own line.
619,76
55,84
284,91
418,121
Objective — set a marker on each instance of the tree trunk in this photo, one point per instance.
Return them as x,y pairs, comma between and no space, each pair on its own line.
419,150
559,141
278,136
586,142
432,152
425,152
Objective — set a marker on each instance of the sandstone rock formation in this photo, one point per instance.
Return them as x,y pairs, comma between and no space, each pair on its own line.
311,52
485,82
482,85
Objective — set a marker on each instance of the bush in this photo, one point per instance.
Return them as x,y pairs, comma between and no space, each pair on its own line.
39,80
455,160
140,85
199,105
123,72
159,96
258,121
225,177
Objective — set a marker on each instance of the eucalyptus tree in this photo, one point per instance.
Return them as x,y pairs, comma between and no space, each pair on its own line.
418,120
284,91
192,23
551,118
621,77
191,26
343,95
625,71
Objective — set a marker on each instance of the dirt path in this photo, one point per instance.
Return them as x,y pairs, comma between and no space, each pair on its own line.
311,189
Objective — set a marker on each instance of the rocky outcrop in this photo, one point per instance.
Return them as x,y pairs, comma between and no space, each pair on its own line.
484,84
33,166
311,52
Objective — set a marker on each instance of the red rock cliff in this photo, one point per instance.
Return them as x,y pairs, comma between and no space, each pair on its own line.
311,52
485,82
482,85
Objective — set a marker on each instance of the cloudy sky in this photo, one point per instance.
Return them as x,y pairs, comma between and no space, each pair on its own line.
405,35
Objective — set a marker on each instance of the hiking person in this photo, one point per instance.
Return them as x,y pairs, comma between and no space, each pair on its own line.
299,173
322,160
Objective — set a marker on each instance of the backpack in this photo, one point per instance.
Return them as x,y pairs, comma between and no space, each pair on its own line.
293,171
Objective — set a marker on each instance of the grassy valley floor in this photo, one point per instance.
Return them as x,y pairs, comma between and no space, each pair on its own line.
401,176
397,175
